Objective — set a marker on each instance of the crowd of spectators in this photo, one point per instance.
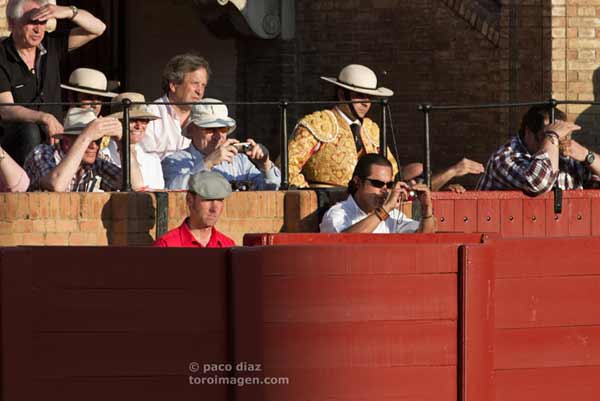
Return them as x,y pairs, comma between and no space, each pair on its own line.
186,143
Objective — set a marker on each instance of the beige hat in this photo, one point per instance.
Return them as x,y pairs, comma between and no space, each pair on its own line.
77,120
361,79
210,116
87,80
209,185
136,111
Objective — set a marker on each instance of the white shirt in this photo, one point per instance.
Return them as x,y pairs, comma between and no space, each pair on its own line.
347,213
149,164
163,136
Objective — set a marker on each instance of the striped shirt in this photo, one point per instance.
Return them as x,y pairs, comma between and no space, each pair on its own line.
512,167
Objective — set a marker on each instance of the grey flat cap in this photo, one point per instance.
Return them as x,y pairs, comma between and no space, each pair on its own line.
209,185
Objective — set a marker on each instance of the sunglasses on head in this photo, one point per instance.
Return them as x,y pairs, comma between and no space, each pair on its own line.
380,184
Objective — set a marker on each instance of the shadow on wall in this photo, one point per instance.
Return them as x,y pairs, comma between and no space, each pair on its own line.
589,119
128,219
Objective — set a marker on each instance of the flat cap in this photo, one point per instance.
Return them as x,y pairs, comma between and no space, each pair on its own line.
209,185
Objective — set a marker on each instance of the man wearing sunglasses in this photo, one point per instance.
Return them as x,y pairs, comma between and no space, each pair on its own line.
30,70
374,204
73,164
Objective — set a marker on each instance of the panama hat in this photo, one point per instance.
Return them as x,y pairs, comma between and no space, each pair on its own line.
87,80
210,116
361,79
77,120
136,111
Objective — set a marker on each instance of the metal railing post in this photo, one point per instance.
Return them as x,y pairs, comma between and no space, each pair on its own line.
383,130
426,109
125,151
284,146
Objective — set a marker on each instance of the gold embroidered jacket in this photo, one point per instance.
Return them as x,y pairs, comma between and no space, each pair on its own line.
322,149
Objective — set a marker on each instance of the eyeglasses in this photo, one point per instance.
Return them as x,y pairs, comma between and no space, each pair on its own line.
380,184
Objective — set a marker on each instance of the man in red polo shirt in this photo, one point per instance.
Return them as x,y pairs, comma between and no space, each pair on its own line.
206,192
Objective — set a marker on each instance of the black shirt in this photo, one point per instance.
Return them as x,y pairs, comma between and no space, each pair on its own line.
41,86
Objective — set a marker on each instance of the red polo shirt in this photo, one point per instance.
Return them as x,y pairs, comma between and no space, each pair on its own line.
182,237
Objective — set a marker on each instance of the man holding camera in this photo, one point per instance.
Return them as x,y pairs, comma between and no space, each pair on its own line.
541,156
245,165
375,202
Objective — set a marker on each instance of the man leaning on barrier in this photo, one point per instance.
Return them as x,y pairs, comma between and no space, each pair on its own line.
184,79
374,204
30,70
73,164
205,200
540,156
246,165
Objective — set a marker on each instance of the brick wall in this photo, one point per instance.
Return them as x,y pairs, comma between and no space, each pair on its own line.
42,218
443,52
576,62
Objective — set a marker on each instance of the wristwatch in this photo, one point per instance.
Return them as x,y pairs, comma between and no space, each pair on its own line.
589,158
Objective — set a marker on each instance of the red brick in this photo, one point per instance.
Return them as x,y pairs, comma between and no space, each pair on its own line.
35,239
91,226
66,226
57,239
34,206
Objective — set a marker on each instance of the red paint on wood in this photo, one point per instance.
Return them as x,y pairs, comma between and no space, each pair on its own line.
549,384
477,331
328,238
534,218
363,384
547,301
465,216
359,298
363,343
557,224
511,215
547,257
488,216
580,220
595,216
444,211
547,347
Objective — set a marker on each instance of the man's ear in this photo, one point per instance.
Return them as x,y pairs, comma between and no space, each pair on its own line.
171,87
189,199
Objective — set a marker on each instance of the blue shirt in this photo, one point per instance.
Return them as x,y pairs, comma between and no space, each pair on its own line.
178,167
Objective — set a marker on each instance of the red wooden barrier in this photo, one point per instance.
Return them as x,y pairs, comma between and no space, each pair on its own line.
327,238
539,335
515,215
99,324
347,322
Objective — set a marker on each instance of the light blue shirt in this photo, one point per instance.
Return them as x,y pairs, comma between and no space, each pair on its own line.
180,166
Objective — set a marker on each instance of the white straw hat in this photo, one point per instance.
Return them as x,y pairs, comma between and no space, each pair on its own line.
210,116
137,111
361,79
87,80
77,120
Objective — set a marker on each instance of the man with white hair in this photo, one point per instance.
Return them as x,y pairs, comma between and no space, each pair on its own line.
30,70
246,165
73,164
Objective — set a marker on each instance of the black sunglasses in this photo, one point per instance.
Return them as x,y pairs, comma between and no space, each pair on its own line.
380,184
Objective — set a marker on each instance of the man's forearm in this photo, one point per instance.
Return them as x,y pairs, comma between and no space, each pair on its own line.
60,177
21,114
441,179
89,23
